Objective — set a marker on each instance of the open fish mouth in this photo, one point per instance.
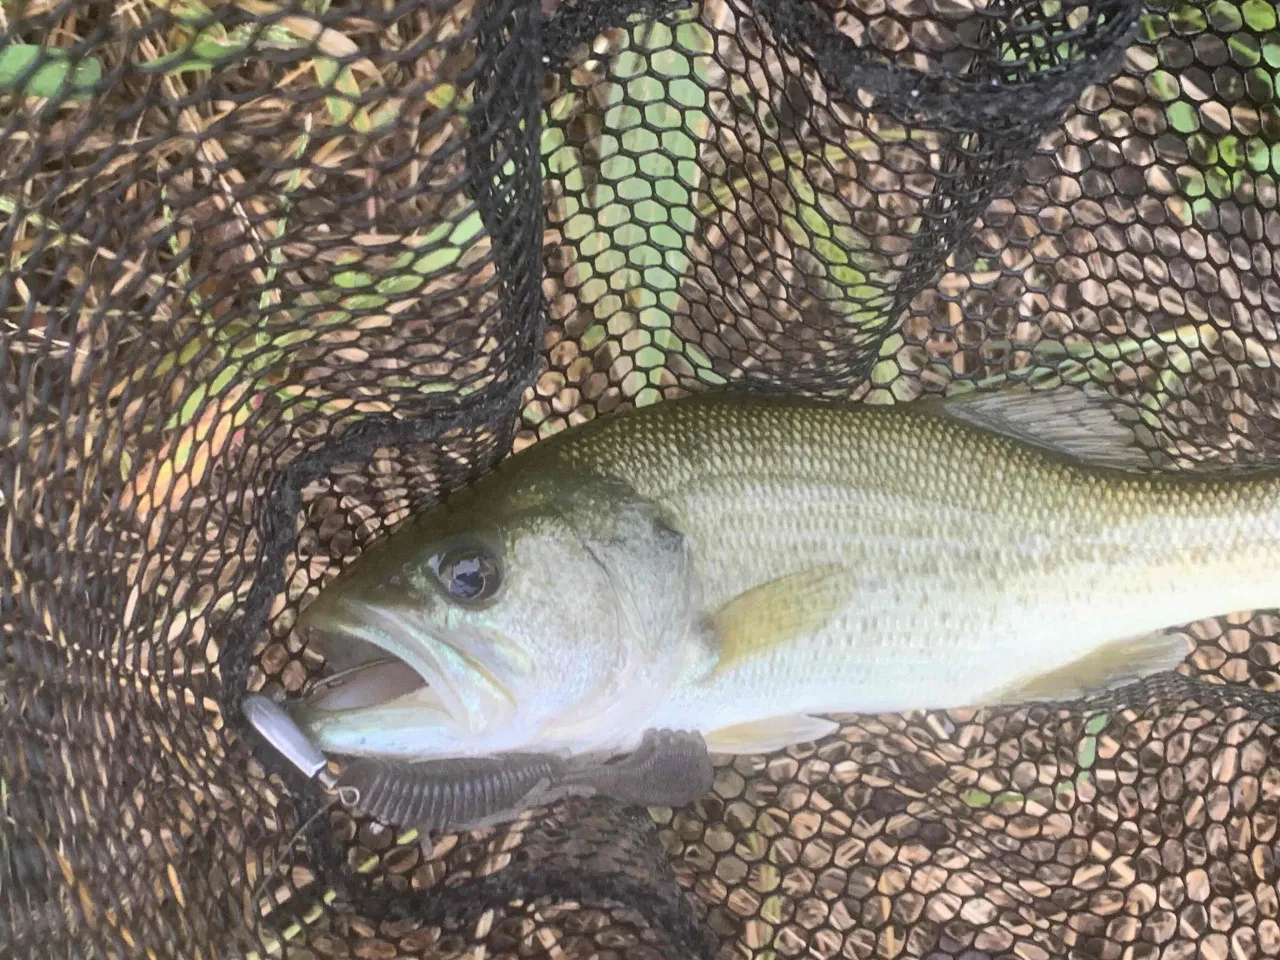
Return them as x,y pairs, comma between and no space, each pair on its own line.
386,654
373,683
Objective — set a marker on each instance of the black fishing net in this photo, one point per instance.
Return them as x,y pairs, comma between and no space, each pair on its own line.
276,276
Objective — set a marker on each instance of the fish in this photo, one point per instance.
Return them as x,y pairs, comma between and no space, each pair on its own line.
748,569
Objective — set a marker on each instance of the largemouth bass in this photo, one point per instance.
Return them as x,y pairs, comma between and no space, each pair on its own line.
745,568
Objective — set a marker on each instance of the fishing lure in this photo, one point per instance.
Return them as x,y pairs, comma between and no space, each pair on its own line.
669,768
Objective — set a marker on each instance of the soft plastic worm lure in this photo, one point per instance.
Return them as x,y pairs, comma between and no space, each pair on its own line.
669,768
459,794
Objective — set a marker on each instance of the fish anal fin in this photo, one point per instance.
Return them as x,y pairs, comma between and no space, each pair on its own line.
770,734
1112,665
779,610
1081,423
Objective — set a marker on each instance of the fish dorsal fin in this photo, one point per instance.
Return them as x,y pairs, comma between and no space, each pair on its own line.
1114,664
778,610
1082,423
770,734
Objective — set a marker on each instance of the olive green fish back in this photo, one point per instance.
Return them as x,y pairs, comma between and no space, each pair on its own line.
275,274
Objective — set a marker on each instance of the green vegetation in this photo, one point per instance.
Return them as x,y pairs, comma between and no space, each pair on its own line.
1086,755
206,45
1170,356
1055,25
643,202
234,351
1222,158
632,216
55,73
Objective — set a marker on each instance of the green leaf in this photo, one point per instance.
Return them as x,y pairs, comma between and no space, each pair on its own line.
56,76
1244,49
1259,157
364,301
352,280
437,260
401,283
1095,724
1229,151
973,797
1163,85
668,340
441,95
696,354
190,352
378,120
191,408
1259,14
331,74
466,231
190,12
1087,752
204,53
326,70
432,236
1183,117
179,62
649,357
1190,19
224,379
1152,26
215,48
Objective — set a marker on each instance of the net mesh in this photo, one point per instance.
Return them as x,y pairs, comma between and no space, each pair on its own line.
277,276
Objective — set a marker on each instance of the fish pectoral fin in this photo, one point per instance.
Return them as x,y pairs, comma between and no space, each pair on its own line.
1081,423
780,610
1112,665
768,735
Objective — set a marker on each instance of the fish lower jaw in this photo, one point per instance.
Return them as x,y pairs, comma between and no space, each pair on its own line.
409,749
432,737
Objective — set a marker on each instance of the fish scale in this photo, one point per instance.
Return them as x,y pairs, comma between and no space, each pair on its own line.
1035,560
822,559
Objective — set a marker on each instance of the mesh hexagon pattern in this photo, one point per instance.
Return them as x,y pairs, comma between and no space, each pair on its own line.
277,275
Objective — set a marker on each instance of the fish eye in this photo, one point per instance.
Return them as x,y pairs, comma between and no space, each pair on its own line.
469,574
